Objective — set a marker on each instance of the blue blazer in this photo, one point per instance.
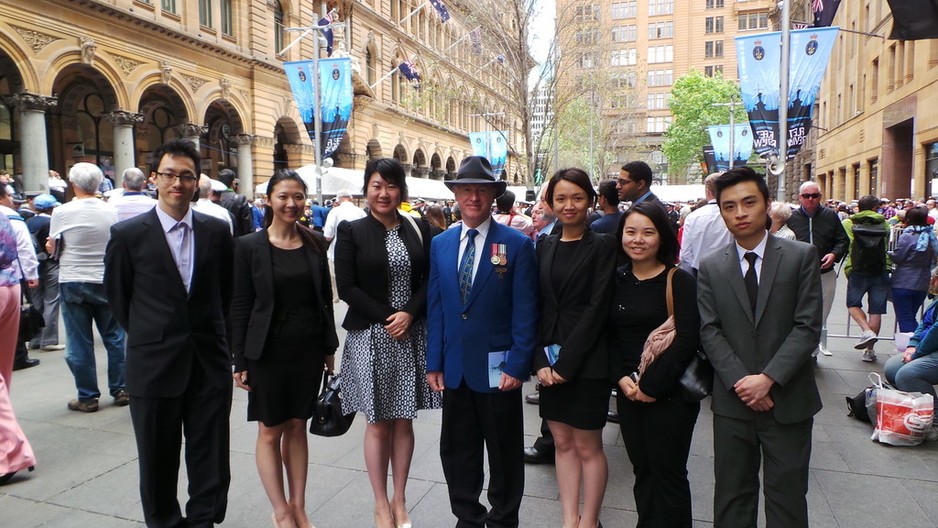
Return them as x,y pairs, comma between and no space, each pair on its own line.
500,313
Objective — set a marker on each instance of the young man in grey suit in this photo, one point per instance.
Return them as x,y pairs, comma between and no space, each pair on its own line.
760,311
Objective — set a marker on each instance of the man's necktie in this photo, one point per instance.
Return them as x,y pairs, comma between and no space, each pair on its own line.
181,252
752,283
465,267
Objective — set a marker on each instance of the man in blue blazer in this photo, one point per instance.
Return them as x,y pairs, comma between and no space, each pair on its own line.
482,329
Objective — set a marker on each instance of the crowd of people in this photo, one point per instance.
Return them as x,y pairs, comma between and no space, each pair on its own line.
626,290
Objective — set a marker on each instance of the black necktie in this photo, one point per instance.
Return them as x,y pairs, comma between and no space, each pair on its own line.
752,283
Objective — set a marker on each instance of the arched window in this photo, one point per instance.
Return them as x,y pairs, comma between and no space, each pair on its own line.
278,27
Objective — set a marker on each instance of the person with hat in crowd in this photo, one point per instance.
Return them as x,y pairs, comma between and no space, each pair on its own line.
481,336
45,295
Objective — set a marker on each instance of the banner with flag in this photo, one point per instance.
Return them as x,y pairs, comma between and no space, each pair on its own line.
758,59
493,146
720,141
824,11
335,80
327,33
409,70
476,37
710,160
914,19
440,9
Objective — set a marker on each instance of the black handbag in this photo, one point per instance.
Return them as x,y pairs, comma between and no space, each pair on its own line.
328,419
31,321
697,380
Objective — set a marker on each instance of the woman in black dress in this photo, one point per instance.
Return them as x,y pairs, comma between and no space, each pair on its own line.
575,274
382,266
283,336
656,422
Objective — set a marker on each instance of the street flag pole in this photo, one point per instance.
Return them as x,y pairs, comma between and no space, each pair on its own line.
783,101
414,12
462,38
390,73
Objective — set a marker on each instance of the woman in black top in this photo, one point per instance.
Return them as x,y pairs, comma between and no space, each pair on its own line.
283,336
656,422
575,274
382,266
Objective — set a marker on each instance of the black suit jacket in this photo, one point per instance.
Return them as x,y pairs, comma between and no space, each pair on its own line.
362,274
165,327
573,313
252,306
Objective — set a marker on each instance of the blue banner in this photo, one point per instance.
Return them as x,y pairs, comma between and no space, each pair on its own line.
759,60
493,146
335,98
720,140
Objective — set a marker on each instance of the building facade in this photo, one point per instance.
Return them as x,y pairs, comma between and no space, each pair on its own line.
643,47
108,81
877,119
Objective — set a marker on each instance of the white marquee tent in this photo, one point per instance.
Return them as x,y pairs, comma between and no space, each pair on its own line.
335,179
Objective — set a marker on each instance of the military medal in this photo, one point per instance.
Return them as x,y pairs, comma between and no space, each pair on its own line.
496,259
499,254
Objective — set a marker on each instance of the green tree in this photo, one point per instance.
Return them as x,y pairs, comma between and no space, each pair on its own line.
692,100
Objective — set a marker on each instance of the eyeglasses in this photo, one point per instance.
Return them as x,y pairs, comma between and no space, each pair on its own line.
624,182
171,177
807,196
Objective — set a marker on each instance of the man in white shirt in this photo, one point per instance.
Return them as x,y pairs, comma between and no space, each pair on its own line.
704,230
207,206
82,227
346,210
132,201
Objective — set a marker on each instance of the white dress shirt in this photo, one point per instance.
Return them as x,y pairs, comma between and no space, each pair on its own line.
704,231
207,206
345,211
479,243
181,242
26,253
759,250
131,204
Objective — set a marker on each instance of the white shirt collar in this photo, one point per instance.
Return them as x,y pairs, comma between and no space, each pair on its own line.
168,222
483,229
758,250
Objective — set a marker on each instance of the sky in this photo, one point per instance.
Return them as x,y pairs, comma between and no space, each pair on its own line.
542,29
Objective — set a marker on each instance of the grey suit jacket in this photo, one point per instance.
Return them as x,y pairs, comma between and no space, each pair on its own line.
777,340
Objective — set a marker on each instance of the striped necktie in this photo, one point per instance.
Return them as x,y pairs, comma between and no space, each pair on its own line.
465,267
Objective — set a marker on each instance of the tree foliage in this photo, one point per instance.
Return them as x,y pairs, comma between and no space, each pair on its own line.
691,103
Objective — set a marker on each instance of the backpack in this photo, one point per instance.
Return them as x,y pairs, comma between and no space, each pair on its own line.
868,251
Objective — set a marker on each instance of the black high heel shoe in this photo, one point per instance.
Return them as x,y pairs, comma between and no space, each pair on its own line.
6,477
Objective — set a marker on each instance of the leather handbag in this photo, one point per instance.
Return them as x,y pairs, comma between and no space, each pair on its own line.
697,381
328,419
31,320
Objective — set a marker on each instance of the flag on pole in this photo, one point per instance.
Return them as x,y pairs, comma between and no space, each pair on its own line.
440,9
327,33
409,70
824,11
476,37
500,59
335,104
914,19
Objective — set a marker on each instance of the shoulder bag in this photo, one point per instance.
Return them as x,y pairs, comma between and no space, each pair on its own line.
328,419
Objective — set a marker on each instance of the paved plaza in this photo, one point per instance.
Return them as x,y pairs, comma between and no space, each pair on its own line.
86,474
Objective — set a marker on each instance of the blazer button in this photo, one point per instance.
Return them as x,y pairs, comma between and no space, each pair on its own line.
465,316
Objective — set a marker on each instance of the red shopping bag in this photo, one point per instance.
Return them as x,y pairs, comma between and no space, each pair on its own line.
902,418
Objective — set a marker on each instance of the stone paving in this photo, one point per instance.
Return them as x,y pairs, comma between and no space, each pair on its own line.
86,474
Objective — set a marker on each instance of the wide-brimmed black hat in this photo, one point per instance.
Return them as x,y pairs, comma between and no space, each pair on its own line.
477,169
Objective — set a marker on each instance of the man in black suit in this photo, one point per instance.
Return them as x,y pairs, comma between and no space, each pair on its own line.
634,183
167,278
760,312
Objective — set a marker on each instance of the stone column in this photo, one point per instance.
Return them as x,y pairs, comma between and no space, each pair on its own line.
192,132
34,150
245,164
124,151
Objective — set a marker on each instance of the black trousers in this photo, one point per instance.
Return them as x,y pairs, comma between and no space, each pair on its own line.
201,414
657,437
474,422
739,447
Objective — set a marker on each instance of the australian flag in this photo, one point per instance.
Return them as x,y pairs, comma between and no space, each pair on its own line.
440,9
327,33
408,69
824,11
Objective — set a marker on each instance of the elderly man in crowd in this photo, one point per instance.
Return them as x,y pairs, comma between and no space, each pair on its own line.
208,189
83,226
132,201
821,227
45,296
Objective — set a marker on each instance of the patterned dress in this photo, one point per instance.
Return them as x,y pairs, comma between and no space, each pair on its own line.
384,378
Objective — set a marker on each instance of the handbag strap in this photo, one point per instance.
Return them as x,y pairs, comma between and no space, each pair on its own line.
413,223
670,293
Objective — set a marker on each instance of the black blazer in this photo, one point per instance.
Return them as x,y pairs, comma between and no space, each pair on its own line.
165,327
362,275
573,313
252,306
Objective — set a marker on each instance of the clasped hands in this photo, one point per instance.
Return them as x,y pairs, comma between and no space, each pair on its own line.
632,391
398,325
753,390
546,376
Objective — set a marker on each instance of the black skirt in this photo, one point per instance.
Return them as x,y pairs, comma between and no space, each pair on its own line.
285,380
579,403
